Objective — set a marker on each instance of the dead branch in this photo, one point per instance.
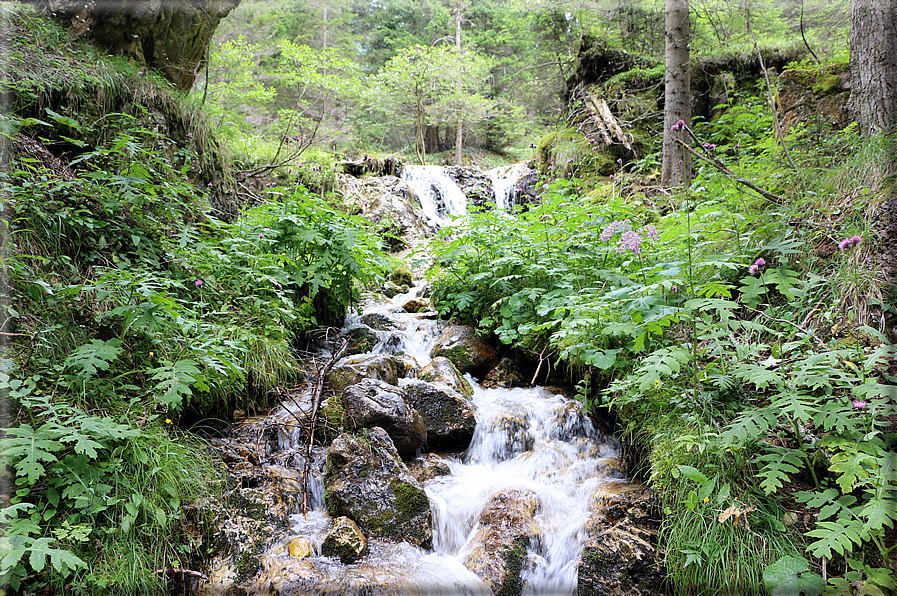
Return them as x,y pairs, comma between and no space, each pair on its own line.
316,395
179,571
774,198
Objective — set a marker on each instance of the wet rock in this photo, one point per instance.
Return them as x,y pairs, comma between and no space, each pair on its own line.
300,548
368,483
441,371
474,183
353,370
379,321
620,554
514,425
506,374
406,366
373,403
391,290
469,353
344,540
432,466
386,202
361,340
416,305
447,415
506,528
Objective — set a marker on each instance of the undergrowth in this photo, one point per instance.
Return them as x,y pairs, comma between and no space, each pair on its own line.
739,340
135,306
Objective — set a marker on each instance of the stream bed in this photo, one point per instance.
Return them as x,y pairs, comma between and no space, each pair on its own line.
539,490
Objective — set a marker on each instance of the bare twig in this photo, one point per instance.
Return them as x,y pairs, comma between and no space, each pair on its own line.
316,395
795,325
772,102
718,165
179,571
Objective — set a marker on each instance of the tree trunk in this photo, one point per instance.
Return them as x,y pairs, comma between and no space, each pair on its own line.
676,169
460,126
873,64
431,139
873,104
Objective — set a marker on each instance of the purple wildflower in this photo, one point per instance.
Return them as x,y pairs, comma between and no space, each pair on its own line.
620,160
189,135
630,240
753,269
198,283
859,404
674,289
623,225
681,124
760,262
674,128
844,244
650,232
856,239
210,185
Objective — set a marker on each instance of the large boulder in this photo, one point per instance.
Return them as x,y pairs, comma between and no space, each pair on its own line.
476,184
469,353
373,403
506,527
447,415
355,369
367,482
441,371
620,554
387,203
169,35
806,95
344,540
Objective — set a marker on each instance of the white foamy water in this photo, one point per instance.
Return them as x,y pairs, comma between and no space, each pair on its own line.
504,181
440,197
531,440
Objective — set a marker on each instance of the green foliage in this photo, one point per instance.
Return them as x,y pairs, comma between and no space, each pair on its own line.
134,302
716,346
107,478
791,576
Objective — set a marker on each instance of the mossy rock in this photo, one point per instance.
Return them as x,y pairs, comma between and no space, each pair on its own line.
515,561
345,540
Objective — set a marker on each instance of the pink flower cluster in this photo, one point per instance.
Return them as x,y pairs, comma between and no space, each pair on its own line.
629,238
753,269
623,225
678,126
848,241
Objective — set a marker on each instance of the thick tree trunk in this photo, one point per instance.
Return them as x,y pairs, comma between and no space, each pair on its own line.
170,35
676,168
873,104
873,64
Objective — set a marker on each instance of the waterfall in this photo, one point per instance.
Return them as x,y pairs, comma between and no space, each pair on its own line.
438,194
504,181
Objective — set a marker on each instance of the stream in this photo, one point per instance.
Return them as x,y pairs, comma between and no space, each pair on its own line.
526,439
539,489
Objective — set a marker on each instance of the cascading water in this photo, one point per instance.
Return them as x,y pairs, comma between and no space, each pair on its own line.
504,181
441,198
438,194
530,442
